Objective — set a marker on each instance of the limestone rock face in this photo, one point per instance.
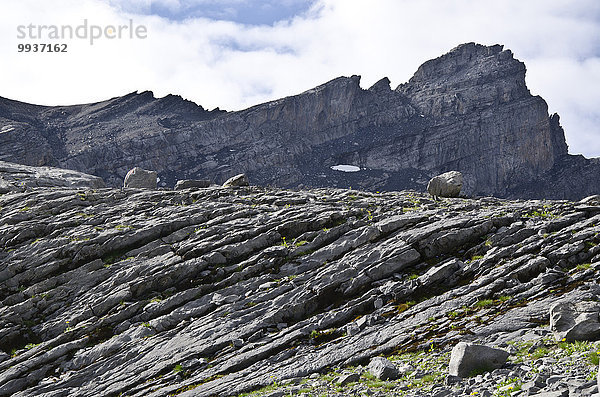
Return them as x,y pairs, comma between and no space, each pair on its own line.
219,291
141,179
468,110
447,184
468,359
17,177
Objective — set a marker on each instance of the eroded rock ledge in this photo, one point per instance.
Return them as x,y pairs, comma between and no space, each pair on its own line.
219,291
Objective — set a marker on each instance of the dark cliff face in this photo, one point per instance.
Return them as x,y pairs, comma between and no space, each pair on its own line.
467,110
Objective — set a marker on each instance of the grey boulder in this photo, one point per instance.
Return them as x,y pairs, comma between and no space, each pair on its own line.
192,184
447,184
571,321
141,179
469,359
238,180
383,369
348,378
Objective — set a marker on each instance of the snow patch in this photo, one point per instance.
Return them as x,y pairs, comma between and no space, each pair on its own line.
345,168
6,128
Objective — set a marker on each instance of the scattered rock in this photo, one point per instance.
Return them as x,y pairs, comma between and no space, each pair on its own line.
348,378
468,359
447,184
192,184
383,369
139,178
573,321
238,180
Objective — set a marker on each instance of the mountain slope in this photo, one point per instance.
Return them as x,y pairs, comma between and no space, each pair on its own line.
467,110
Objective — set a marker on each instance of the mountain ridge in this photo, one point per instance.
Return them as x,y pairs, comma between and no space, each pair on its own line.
467,110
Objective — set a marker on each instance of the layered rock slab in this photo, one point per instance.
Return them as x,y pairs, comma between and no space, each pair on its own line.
219,291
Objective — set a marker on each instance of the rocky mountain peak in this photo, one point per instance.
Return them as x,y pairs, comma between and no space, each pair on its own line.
469,78
461,58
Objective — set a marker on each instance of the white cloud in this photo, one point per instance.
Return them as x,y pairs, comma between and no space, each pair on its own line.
232,66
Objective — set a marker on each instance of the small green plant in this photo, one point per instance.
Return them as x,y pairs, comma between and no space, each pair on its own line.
123,227
577,346
413,276
584,266
283,242
25,209
30,346
453,314
178,368
146,324
429,378
540,352
484,303
539,214
301,243
593,358
476,257
508,387
74,239
590,244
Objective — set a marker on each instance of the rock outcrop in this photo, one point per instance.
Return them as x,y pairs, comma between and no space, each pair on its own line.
575,321
220,291
468,110
19,178
192,184
238,180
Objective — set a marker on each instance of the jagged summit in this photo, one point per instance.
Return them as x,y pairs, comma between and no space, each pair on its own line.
468,110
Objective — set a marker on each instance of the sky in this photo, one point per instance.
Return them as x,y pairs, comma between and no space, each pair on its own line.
233,54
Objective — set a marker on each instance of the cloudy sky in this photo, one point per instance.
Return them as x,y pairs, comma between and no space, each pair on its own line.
236,53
